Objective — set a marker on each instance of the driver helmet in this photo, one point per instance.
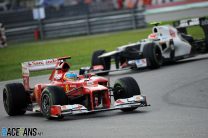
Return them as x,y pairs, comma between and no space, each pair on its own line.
70,76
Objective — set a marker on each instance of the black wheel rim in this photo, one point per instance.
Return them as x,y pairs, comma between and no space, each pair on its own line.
45,103
5,100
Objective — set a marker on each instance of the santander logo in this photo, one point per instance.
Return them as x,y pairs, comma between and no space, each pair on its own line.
35,63
51,61
42,62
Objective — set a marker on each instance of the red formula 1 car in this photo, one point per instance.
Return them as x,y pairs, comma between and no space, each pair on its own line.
68,94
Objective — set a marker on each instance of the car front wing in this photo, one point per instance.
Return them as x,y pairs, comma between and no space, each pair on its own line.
65,110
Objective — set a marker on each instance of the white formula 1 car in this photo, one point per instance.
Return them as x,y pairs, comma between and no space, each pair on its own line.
165,44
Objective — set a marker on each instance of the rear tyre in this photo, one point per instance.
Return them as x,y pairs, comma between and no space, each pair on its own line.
15,99
101,61
126,88
153,55
52,95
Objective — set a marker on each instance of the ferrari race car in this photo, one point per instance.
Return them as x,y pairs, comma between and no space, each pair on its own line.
165,44
68,93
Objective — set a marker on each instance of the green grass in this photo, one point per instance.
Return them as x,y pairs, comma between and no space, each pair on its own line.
79,48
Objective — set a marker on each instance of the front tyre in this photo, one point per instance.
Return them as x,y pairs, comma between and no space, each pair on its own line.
15,99
125,88
153,54
52,95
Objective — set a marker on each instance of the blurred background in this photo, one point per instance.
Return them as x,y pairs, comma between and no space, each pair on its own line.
93,5
41,19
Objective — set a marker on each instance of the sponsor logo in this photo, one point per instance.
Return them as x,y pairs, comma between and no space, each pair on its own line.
89,83
35,63
141,63
23,132
64,107
42,62
191,22
58,76
119,101
79,107
51,61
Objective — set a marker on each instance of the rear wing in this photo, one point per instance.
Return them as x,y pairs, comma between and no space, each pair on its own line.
39,65
202,22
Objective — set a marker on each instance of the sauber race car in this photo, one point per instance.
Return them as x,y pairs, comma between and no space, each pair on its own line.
165,44
68,93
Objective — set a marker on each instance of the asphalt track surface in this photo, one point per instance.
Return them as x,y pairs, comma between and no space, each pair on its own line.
178,14
177,93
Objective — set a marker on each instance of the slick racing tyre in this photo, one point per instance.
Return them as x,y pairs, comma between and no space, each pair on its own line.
52,95
101,61
153,55
125,88
15,99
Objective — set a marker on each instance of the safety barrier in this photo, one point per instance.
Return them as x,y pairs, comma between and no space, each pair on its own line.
77,25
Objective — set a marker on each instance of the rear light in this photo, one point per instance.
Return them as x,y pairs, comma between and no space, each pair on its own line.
55,110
